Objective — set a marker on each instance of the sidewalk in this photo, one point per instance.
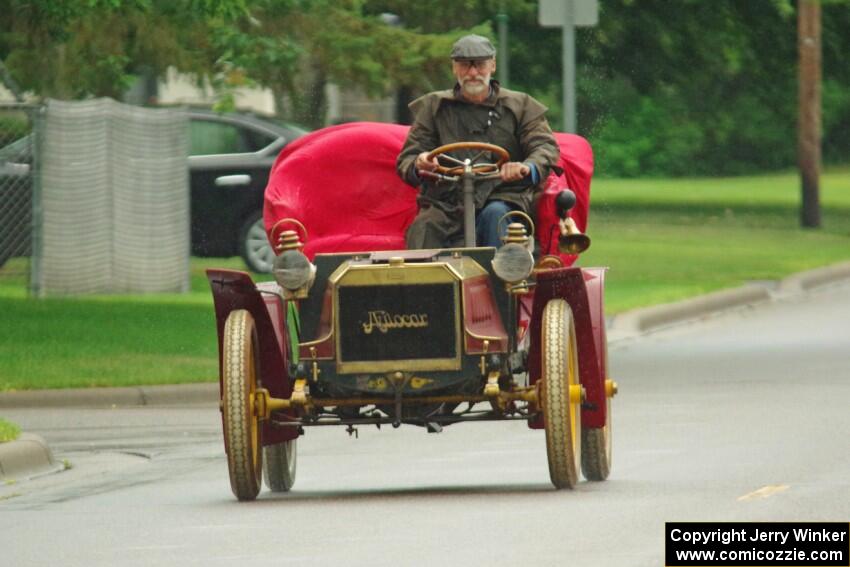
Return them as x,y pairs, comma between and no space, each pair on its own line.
30,456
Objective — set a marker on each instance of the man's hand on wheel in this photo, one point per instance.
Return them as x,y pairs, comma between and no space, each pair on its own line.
424,164
514,171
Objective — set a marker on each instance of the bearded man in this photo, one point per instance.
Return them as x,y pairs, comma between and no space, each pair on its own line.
477,109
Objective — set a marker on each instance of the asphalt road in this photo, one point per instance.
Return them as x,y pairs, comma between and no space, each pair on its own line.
742,417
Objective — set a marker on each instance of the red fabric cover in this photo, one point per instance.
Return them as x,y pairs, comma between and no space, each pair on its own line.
340,183
577,163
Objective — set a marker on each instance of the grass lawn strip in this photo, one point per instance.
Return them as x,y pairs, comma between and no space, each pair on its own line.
671,239
665,240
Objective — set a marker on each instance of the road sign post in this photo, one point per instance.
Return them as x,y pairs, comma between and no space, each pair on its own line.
568,14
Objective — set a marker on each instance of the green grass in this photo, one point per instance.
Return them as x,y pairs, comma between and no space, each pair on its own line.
670,239
8,431
663,239
109,340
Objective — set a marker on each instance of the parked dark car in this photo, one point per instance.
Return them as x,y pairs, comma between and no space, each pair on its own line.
230,156
229,163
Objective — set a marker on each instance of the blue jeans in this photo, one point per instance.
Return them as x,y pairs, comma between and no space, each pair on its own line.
487,231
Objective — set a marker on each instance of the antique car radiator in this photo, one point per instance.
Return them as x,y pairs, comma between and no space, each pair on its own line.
397,318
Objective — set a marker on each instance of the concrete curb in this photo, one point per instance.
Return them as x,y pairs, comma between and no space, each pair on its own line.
29,455
26,457
177,394
805,281
637,322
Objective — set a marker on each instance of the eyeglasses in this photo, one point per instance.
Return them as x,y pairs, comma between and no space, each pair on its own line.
466,64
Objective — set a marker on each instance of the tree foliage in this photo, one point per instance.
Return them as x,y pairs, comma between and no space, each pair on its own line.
684,87
80,48
86,48
693,86
295,46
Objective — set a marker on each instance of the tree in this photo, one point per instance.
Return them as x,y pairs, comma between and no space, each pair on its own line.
294,47
685,87
80,48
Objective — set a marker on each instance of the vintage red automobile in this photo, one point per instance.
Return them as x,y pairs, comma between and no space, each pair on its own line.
358,331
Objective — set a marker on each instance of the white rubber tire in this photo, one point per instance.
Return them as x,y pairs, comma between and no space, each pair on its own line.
596,449
562,419
242,430
280,463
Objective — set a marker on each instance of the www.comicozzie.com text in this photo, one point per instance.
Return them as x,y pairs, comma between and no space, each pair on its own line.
757,534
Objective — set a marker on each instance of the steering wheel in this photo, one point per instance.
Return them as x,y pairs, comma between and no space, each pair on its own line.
478,169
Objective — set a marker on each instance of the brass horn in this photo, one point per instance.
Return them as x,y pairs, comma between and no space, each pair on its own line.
571,240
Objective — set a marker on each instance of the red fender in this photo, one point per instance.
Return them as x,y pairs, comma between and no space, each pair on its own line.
594,282
582,290
235,290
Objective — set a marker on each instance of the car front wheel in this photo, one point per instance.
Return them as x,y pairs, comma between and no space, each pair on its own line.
561,394
254,245
242,429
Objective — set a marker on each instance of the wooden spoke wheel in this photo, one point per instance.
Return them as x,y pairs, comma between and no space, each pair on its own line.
241,424
280,461
561,414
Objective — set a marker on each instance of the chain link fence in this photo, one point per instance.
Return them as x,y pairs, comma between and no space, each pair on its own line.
18,171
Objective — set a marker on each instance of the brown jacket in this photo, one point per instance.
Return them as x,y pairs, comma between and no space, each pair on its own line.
510,119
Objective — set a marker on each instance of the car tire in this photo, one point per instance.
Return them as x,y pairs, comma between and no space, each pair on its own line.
242,429
254,245
561,414
596,449
280,463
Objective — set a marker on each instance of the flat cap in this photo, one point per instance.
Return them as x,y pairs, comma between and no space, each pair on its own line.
473,47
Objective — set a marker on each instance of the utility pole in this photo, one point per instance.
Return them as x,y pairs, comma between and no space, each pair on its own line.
809,128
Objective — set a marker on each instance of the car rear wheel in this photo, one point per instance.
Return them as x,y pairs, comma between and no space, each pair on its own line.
280,461
596,449
254,245
596,443
561,410
241,425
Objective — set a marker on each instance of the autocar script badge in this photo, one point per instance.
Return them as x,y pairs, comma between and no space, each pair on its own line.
384,321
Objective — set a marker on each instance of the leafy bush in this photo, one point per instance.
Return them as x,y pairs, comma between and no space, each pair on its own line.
8,431
664,134
648,138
